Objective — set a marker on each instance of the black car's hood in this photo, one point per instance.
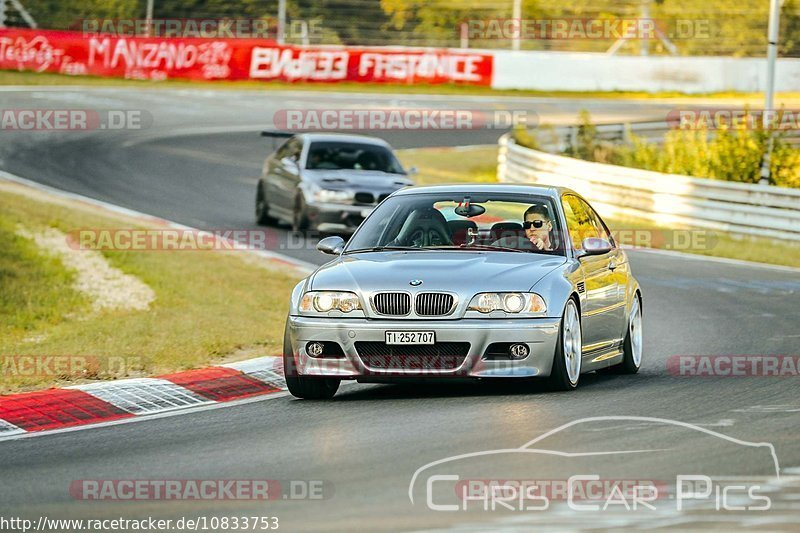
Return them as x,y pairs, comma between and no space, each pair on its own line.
362,179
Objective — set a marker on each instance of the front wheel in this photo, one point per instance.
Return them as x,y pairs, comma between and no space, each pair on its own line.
262,208
566,371
300,222
308,388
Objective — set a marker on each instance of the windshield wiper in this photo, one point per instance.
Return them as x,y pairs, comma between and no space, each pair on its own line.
479,247
387,248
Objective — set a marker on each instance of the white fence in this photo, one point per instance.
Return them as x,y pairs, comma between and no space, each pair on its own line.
567,71
740,208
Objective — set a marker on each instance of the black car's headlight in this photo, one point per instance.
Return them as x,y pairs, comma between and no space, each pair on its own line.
516,303
316,302
329,196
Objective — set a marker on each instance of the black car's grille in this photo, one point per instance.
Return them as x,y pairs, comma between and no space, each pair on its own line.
364,198
412,358
434,304
392,303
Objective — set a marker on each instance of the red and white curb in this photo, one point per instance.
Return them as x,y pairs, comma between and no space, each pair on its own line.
103,402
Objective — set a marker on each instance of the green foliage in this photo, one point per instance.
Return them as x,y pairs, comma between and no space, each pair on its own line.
35,289
524,137
727,153
721,27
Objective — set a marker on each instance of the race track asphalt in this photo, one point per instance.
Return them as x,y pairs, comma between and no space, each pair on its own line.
197,165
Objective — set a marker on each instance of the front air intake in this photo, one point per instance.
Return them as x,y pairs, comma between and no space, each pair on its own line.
434,304
392,303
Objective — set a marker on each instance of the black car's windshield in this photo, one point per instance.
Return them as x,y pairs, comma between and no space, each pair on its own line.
458,221
339,155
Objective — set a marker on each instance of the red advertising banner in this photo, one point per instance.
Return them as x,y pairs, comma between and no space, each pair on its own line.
73,53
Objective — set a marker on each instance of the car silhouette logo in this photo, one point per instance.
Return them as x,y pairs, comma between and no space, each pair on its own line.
415,282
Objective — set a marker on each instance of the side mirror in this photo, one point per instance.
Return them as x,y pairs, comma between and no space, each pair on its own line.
413,171
595,246
331,245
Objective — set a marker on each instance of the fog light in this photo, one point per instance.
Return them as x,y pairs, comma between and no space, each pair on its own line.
315,349
518,351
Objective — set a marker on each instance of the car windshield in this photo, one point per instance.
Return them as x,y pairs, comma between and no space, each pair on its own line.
338,155
459,221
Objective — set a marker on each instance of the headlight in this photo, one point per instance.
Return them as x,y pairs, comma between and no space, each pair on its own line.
330,196
522,303
324,301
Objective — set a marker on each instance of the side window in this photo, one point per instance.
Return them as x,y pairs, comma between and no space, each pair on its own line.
597,222
579,223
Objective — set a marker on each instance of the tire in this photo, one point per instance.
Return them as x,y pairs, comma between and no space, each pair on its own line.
300,223
566,371
307,388
262,208
632,346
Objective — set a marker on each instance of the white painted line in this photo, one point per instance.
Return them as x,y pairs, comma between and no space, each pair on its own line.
255,365
714,259
132,420
7,429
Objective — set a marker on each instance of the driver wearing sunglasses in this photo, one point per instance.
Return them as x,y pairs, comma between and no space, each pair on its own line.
535,236
537,226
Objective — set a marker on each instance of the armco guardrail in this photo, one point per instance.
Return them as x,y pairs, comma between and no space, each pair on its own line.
739,208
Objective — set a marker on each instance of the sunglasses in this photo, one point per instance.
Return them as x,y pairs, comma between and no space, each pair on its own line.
538,224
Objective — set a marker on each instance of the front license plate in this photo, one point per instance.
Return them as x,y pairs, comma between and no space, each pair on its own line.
410,337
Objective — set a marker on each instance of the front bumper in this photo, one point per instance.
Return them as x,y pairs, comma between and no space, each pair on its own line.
540,334
336,218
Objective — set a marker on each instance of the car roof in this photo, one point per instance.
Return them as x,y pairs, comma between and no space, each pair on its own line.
479,188
342,137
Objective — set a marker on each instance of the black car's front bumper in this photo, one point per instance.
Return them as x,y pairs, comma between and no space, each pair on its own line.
336,218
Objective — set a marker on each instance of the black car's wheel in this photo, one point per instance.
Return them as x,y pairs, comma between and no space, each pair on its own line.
262,208
566,371
308,388
632,346
300,222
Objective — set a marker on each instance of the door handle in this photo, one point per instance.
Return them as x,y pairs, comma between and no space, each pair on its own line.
612,266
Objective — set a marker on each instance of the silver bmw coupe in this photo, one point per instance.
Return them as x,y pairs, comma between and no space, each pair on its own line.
467,281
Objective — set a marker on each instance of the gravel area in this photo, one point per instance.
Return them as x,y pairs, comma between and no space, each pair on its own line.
108,287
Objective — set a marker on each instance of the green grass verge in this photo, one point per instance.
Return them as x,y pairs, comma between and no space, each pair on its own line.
209,306
11,77
478,164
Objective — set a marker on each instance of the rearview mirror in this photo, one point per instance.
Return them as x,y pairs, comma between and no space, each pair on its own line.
331,245
595,246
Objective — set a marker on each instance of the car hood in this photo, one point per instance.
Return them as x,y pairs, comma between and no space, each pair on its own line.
455,271
344,179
